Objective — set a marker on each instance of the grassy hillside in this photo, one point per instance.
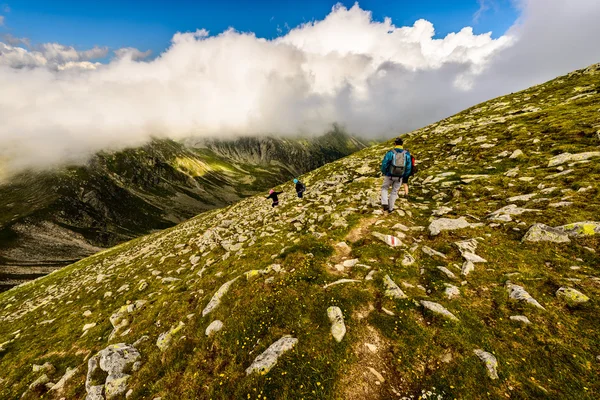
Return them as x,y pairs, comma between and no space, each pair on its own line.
54,218
421,321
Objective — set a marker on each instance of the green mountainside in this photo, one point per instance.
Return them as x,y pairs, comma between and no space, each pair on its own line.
52,219
484,283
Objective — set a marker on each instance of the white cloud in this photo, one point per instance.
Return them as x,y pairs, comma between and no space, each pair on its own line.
132,53
371,77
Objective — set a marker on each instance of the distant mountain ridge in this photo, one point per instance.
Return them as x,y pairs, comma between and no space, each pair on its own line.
53,218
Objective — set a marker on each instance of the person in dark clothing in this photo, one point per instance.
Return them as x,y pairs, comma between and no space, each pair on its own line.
300,188
273,195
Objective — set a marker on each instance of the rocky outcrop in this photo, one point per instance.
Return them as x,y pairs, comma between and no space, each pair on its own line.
109,371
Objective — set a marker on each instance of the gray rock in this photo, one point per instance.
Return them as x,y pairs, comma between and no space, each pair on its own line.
467,268
408,260
451,291
491,364
438,309
443,210
447,272
571,296
392,290
518,293
65,378
449,224
431,252
544,233
516,154
520,318
46,367
117,361
267,360
390,240
504,214
568,157
214,327
340,281
350,263
338,328
581,229
39,382
216,299
166,338
523,197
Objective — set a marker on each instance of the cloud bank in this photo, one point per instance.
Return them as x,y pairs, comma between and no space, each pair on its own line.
60,105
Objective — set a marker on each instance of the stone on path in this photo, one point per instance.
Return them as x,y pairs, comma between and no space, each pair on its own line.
518,293
571,296
214,327
545,233
390,240
267,360
392,290
408,260
438,309
65,378
216,299
449,224
338,328
491,364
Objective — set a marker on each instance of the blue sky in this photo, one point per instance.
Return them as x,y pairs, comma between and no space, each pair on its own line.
150,24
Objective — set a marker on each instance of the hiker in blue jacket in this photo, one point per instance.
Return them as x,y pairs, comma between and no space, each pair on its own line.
395,165
300,188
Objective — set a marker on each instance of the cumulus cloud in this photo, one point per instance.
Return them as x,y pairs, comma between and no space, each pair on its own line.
372,77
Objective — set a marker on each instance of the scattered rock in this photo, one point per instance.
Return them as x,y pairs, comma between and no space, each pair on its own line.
392,290
390,240
447,272
431,252
518,293
87,327
467,268
338,328
39,382
451,291
449,224
520,318
377,375
544,233
216,299
214,327
65,378
118,361
568,157
340,281
46,367
571,297
516,154
581,229
166,338
438,309
267,360
408,260
491,364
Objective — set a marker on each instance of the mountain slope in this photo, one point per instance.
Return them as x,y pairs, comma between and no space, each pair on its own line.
54,218
460,303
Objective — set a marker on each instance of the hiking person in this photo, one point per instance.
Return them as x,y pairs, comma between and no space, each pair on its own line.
273,195
413,170
300,188
395,165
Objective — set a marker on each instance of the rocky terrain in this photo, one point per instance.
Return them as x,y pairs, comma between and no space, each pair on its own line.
54,218
484,283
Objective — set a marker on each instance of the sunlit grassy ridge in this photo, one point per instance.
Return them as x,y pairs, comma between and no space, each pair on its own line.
392,348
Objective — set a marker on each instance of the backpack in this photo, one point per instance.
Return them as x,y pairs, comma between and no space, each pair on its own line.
413,164
401,164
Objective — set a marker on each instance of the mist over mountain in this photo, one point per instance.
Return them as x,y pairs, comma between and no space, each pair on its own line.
53,218
61,105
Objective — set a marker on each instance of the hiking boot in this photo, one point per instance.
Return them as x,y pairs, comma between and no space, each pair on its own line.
384,207
390,211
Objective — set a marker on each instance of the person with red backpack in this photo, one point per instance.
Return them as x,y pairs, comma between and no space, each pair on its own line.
396,164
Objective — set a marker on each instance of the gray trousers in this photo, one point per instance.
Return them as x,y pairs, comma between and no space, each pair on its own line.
395,183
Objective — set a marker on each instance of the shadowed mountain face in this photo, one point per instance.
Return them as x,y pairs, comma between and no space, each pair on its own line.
51,219
483,283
